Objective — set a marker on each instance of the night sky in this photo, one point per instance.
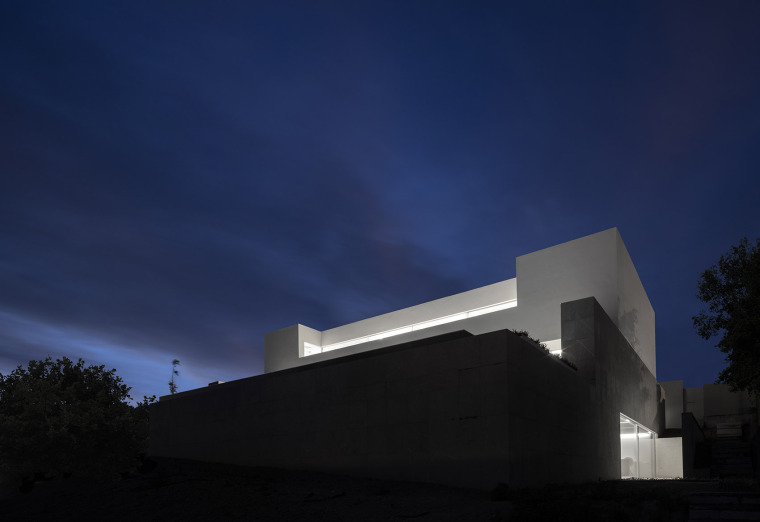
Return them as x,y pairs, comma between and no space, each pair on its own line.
179,178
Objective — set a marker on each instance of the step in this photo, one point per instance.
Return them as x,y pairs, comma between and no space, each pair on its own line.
730,443
732,460
732,453
735,465
708,515
724,506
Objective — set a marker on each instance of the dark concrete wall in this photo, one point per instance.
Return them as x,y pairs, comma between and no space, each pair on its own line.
553,420
721,401
696,460
674,398
463,410
622,383
472,411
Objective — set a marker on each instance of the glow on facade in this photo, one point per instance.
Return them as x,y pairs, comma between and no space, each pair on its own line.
313,349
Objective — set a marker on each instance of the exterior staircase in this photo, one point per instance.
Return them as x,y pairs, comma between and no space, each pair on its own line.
704,507
731,457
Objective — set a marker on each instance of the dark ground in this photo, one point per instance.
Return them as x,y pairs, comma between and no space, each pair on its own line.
186,490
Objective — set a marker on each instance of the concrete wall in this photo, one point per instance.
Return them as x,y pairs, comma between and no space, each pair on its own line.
696,457
463,410
635,315
622,382
674,403
694,402
471,411
573,270
669,457
712,404
604,357
719,400
554,422
597,265
291,336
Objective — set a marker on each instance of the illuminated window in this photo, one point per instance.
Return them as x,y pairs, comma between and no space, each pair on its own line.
637,455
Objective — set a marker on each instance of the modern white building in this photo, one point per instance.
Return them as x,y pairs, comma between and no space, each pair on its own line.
597,265
445,391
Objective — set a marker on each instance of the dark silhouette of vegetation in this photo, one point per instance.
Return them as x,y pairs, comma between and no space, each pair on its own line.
59,418
523,333
175,372
731,289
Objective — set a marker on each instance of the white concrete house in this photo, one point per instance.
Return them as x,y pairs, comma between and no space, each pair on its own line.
444,391
597,265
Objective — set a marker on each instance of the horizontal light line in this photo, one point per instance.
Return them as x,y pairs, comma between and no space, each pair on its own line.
312,349
492,308
442,320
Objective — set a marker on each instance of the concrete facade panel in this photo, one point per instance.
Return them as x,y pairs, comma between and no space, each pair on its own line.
475,411
580,268
674,403
719,400
635,315
694,402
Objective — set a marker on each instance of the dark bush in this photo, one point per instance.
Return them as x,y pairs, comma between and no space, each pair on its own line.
59,418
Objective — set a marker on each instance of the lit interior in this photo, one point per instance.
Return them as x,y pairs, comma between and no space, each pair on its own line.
313,349
637,451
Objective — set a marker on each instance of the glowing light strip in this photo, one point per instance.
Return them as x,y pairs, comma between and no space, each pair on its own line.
312,349
647,433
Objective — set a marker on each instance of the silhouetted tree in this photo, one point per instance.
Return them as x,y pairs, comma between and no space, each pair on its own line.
731,288
62,417
172,384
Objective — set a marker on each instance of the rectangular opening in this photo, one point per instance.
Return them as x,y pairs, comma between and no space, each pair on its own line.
637,453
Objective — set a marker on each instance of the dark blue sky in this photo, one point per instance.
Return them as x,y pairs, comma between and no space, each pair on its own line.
178,179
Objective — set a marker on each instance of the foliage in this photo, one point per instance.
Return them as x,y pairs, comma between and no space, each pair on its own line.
62,417
172,384
731,288
524,333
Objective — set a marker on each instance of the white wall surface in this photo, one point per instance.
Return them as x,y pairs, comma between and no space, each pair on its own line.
635,316
577,269
669,455
597,265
